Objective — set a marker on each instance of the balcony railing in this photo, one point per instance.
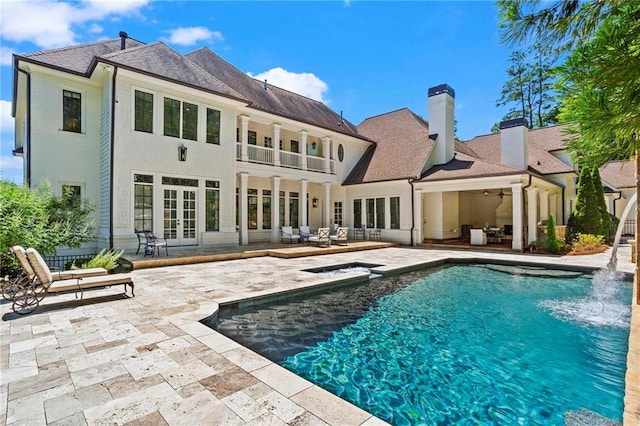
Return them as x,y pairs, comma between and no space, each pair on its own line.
263,155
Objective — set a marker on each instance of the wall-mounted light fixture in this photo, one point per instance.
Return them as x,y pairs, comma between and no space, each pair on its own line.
314,202
501,194
486,192
182,153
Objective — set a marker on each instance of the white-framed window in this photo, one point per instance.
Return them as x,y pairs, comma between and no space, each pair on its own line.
212,205
180,119
143,202
268,142
142,111
337,213
71,111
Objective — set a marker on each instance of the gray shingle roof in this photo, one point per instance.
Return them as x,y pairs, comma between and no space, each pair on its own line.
401,151
158,59
275,99
76,59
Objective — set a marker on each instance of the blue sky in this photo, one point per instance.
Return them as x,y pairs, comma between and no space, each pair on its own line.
361,58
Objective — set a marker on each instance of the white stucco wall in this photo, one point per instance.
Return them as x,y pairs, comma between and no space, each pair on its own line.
61,157
157,155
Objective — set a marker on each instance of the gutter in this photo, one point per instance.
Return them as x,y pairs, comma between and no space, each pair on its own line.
111,149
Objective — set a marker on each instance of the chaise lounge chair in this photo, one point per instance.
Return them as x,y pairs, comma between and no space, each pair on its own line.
28,300
322,239
25,279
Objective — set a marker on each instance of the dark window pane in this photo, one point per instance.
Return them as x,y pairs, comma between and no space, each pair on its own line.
252,214
213,126
371,223
189,121
212,207
380,219
143,207
253,138
143,112
71,111
171,117
395,212
357,213
266,209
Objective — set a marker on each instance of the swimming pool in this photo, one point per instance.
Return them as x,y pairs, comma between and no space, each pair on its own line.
454,345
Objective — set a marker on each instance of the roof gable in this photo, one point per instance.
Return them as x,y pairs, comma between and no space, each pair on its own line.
402,148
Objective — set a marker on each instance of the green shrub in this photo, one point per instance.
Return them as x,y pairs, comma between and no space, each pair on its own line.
588,242
551,243
107,259
33,217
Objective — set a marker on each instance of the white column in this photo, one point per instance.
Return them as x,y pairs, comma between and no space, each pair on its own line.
516,220
303,202
304,151
544,205
326,151
328,220
532,214
276,144
417,216
244,138
553,208
244,219
275,209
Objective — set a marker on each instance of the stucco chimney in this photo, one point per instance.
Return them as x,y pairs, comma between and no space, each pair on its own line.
441,105
123,40
513,143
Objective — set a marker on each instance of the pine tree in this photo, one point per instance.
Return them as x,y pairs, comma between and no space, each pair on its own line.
551,243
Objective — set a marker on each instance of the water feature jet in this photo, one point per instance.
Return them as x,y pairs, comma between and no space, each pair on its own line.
613,262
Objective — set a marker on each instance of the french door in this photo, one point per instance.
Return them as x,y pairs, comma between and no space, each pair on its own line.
180,215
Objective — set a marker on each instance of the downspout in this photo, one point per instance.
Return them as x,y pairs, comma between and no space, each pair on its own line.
413,214
614,202
111,159
28,118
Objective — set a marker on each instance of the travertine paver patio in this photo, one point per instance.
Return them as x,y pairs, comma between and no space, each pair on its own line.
148,359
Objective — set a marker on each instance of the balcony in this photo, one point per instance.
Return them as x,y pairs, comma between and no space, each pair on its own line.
263,155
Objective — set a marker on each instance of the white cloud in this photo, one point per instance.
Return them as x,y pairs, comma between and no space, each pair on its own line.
6,120
51,23
187,36
5,55
10,162
305,84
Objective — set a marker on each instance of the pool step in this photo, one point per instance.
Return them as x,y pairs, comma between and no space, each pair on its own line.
584,417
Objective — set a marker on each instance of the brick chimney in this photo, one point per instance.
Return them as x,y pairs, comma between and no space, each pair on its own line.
441,103
513,143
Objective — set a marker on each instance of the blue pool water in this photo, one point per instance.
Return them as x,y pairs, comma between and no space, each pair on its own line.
459,345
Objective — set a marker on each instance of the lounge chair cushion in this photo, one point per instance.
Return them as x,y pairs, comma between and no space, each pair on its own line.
88,282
